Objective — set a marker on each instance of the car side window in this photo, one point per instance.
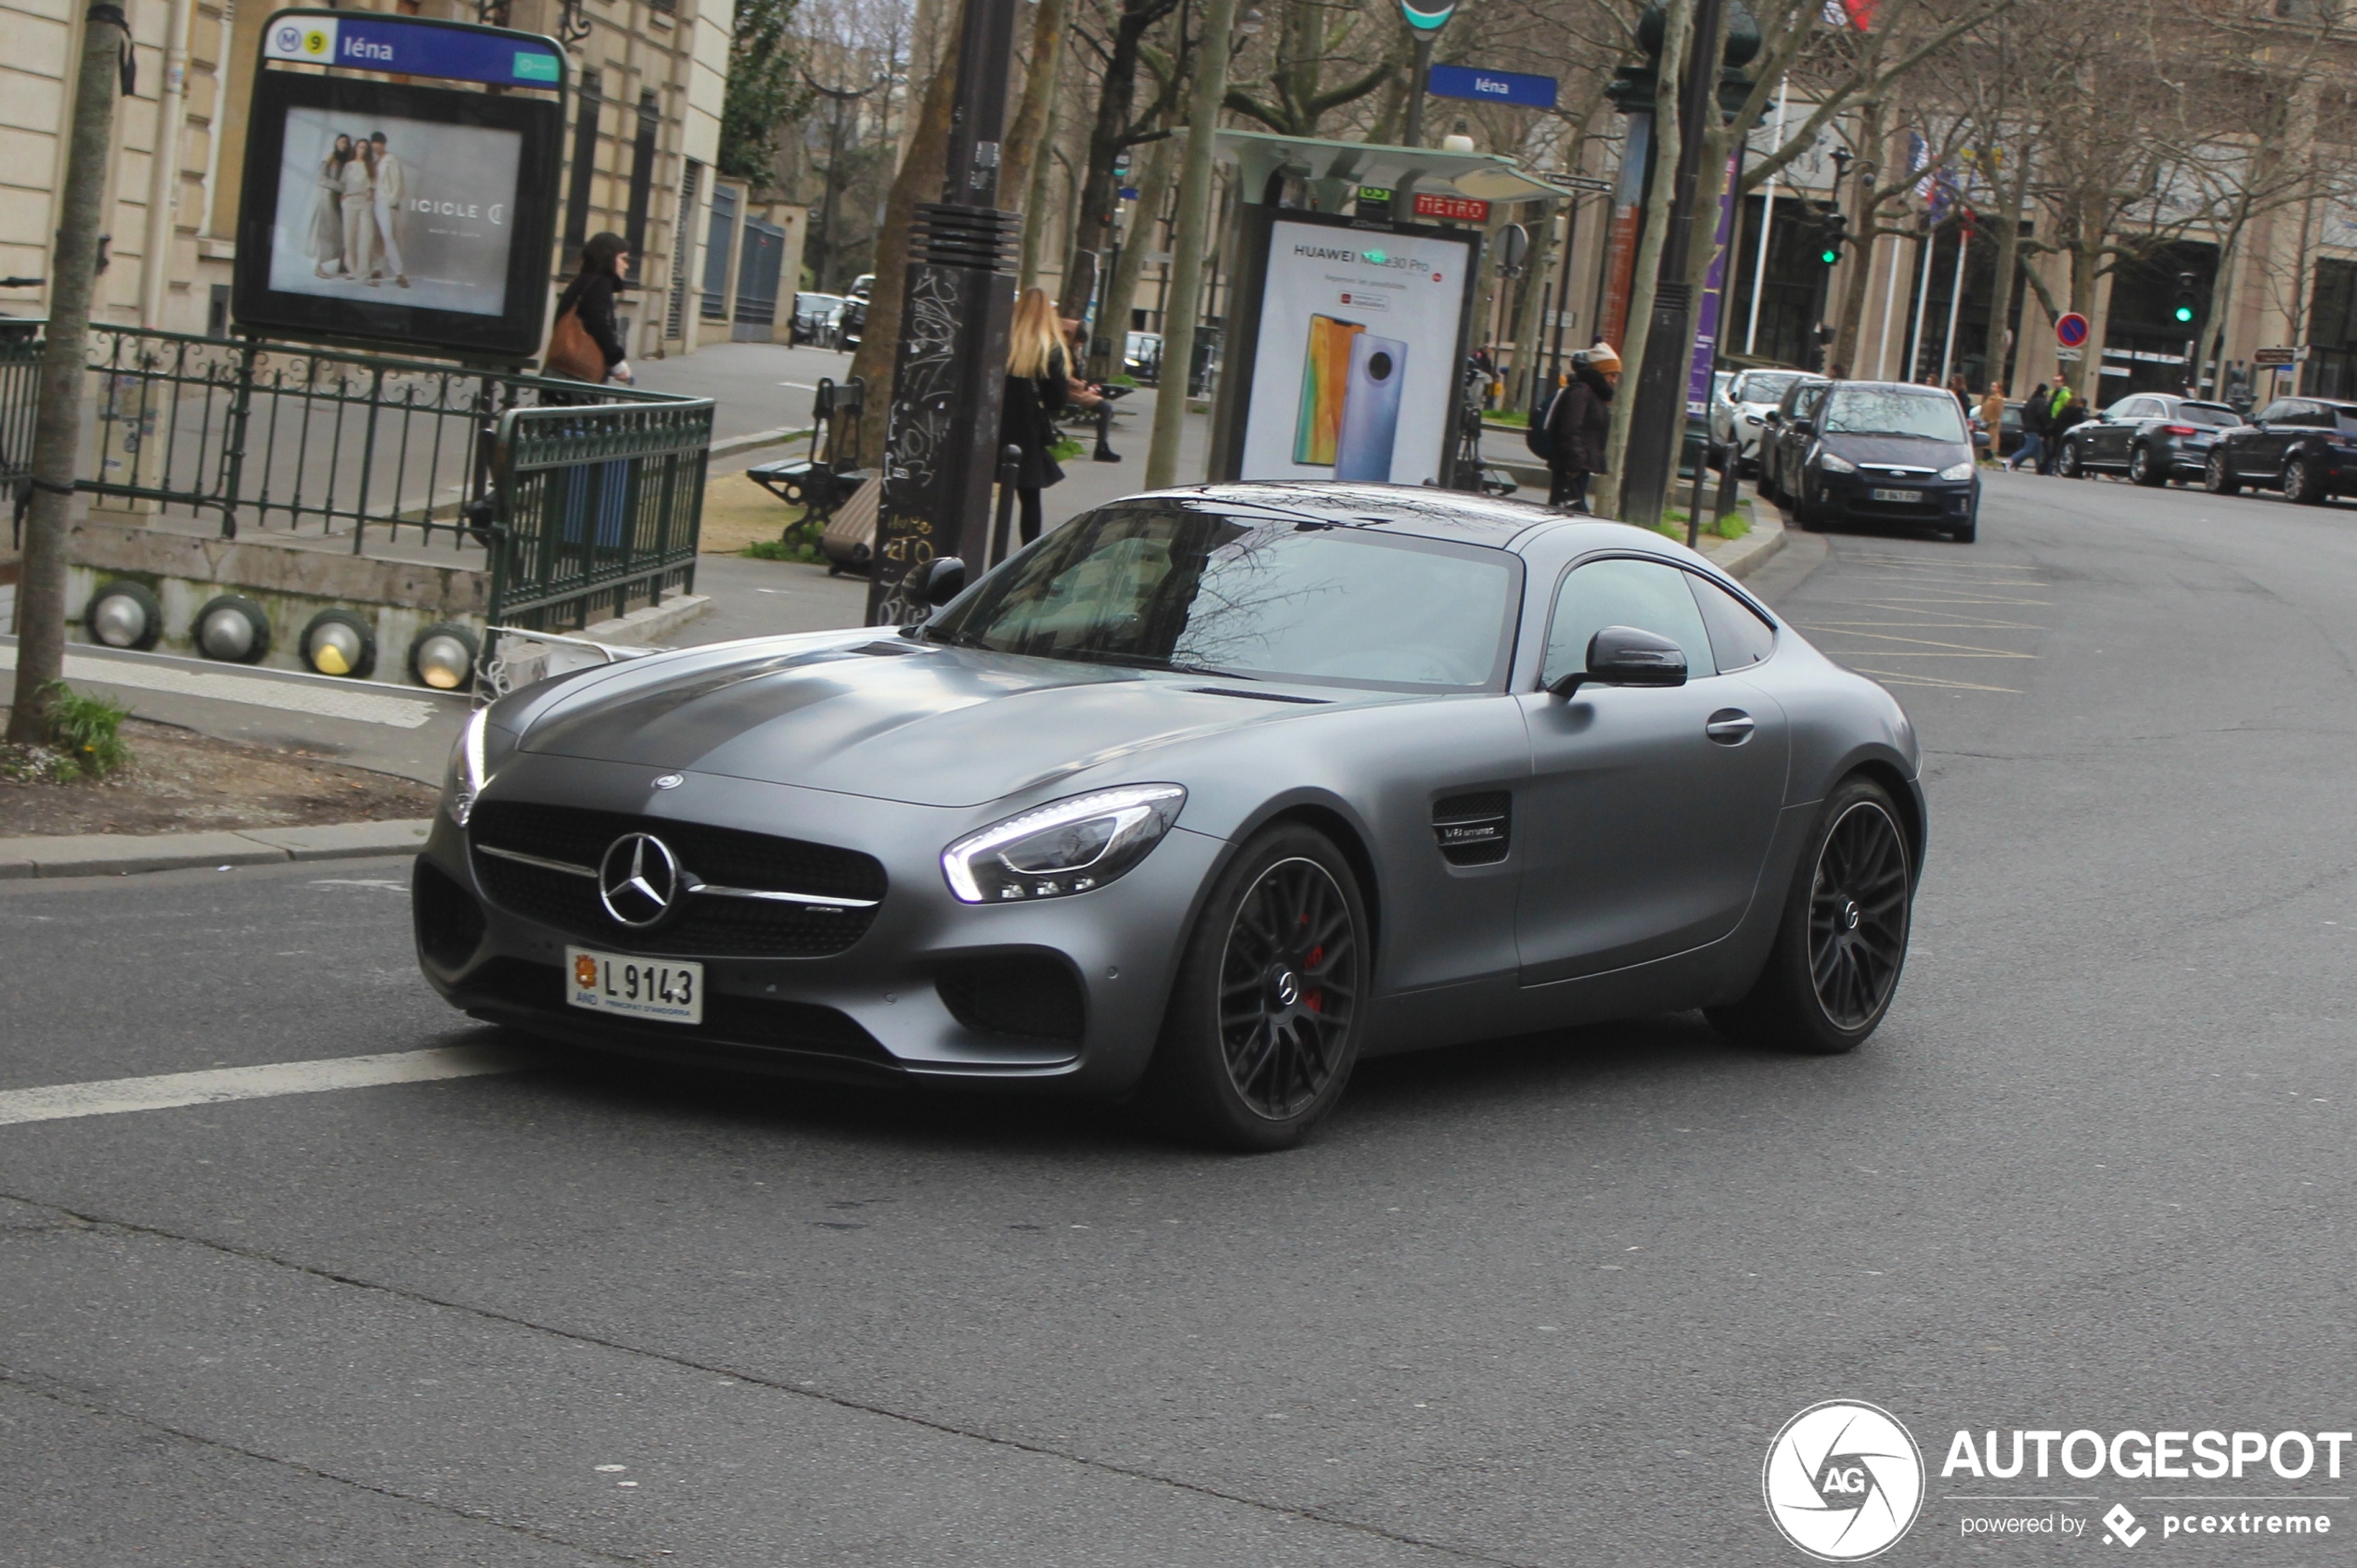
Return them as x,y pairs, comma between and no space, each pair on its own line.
2314,416
1805,405
2126,409
1643,593
1739,638
2274,412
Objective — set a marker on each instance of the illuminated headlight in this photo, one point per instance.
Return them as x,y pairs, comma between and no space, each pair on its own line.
1832,464
1064,847
480,746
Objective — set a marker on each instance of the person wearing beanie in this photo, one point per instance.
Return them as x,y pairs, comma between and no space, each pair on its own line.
1580,427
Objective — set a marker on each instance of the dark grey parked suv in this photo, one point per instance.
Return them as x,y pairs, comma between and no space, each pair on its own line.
1880,452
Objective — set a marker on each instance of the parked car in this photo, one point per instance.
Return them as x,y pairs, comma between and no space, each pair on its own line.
863,285
1146,811
2153,438
1737,419
814,318
851,322
2304,446
1799,403
1141,358
1880,452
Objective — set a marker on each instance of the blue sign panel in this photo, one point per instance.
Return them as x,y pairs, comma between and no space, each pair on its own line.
1491,87
412,48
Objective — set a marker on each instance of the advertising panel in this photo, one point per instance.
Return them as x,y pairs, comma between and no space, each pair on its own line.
394,212
1357,371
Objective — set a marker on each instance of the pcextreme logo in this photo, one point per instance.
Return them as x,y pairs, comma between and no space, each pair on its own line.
1844,1481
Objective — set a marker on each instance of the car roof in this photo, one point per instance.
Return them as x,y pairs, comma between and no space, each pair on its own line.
1419,510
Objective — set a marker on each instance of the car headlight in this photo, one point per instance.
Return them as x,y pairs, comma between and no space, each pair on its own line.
1834,464
1956,471
1063,848
482,746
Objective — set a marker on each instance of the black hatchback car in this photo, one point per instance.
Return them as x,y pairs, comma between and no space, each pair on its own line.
1881,452
2153,438
2304,446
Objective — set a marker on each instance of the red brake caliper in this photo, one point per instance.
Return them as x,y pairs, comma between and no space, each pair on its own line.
1315,1001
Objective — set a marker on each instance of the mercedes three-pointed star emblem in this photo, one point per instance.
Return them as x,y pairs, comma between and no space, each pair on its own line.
639,881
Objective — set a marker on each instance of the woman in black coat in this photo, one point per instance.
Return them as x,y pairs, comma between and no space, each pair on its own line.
1580,427
1038,382
605,264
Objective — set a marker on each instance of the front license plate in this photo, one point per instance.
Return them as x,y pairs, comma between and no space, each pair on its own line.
671,991
1900,495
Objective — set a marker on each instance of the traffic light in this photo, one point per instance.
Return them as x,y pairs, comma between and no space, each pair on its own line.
1830,235
2187,307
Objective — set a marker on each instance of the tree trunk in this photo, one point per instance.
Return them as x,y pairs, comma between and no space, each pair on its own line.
920,177
1035,116
1189,237
1121,290
2000,310
1092,213
1666,139
1035,206
1849,317
56,435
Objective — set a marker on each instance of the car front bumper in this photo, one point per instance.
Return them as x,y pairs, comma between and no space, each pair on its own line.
1933,503
1081,981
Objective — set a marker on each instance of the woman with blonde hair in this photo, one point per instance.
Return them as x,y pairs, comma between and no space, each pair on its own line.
1037,375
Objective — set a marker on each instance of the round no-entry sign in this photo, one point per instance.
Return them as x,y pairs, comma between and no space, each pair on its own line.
2070,330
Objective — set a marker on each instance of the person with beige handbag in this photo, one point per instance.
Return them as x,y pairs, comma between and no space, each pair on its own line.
585,344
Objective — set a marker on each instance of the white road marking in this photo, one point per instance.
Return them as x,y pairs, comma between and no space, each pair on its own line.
57,1101
332,702
799,386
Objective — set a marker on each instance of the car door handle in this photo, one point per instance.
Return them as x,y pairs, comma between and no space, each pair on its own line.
1730,726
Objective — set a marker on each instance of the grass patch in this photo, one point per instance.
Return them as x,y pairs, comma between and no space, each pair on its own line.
789,548
86,731
1519,418
1067,450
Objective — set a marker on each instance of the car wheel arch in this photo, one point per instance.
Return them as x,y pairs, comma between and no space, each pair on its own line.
1339,828
1894,780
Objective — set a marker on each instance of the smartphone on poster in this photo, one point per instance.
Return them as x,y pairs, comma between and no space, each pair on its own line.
1371,408
1325,378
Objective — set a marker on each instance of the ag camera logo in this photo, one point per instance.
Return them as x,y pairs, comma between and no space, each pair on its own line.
1844,1481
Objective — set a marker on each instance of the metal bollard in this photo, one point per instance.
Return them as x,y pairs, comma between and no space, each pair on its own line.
1010,469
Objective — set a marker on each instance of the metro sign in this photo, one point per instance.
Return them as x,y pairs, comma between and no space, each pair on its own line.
1462,208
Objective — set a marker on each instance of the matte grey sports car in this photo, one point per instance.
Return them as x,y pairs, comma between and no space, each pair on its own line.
1204,797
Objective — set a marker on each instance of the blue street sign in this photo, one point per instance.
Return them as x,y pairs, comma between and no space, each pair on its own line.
1491,87
412,48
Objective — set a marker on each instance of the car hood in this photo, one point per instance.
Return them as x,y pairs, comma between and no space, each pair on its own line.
1901,451
875,715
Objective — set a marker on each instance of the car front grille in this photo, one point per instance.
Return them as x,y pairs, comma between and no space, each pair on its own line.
703,923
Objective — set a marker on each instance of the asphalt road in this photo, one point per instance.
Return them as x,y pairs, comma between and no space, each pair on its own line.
1539,1301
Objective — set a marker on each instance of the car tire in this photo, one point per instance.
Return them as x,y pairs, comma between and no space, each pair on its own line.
2143,470
1835,966
1269,1003
1967,534
2300,484
2068,465
2214,477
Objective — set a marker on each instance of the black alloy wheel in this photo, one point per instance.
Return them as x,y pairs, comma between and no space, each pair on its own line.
1264,1023
1835,966
2143,470
2215,476
2301,482
2069,466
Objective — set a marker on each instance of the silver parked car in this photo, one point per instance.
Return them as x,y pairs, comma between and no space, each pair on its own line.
1203,797
1738,416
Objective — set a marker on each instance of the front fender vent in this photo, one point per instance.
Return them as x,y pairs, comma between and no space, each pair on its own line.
1474,830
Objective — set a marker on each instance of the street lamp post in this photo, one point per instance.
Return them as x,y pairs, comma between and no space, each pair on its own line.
941,433
1424,18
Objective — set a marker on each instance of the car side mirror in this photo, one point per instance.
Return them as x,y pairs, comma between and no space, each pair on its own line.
1626,656
1774,415
938,581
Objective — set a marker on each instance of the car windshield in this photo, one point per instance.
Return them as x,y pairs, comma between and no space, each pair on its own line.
1893,411
1767,389
1191,585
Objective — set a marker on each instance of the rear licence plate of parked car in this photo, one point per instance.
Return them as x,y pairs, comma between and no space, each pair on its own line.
1896,495
634,988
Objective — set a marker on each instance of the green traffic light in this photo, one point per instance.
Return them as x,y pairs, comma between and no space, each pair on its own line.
2184,313
1830,255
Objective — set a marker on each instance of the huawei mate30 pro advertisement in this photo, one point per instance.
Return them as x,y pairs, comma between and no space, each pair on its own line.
1359,359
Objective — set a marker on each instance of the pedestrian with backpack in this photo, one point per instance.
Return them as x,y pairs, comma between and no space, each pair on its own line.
1579,427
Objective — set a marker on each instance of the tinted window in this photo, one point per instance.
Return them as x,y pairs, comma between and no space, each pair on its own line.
1805,401
1187,586
1643,593
1738,637
2131,408
2278,412
1763,386
1893,411
2341,416
2203,414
